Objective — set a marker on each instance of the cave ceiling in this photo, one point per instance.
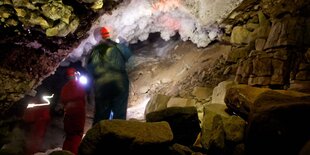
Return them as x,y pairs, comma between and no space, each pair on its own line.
36,35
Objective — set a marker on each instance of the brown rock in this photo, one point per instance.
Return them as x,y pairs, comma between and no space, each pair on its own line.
202,92
219,91
277,8
264,26
212,133
156,103
219,128
303,75
184,123
121,136
262,66
240,35
251,26
284,32
240,98
281,54
279,70
259,44
238,53
244,70
259,81
278,123
277,119
301,86
244,99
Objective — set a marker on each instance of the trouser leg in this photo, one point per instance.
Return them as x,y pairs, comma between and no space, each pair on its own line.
119,106
103,109
74,129
72,143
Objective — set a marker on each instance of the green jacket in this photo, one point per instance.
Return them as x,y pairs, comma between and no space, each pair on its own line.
107,63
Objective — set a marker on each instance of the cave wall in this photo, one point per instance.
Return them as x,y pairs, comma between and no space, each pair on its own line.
270,44
35,36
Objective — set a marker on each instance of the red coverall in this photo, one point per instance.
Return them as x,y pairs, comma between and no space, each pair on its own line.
73,99
38,119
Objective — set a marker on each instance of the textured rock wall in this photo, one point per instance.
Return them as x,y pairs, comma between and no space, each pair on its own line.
270,42
35,36
22,70
211,11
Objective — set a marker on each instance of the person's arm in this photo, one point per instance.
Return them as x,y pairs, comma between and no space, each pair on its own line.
125,51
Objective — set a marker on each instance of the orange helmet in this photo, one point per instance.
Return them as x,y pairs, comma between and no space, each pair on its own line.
104,33
71,72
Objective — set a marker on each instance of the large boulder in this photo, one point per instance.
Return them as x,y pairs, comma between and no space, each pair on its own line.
240,98
219,91
180,113
156,103
202,92
277,119
278,129
243,99
220,131
130,137
184,123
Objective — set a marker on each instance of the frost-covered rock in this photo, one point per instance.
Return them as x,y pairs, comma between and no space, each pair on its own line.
193,20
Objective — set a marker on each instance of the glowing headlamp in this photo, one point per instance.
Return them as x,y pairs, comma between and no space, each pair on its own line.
117,40
81,78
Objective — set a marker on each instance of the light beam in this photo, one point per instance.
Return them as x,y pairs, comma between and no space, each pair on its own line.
45,98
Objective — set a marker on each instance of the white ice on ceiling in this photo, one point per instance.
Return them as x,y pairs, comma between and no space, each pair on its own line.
194,20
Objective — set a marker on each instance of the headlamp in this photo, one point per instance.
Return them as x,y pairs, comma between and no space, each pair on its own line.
81,78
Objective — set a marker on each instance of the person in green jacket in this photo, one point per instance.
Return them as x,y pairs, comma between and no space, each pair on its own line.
107,65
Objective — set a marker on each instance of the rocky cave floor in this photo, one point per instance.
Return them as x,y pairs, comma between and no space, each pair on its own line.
171,68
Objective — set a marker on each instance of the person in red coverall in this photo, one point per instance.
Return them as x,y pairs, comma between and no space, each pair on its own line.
73,98
37,120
